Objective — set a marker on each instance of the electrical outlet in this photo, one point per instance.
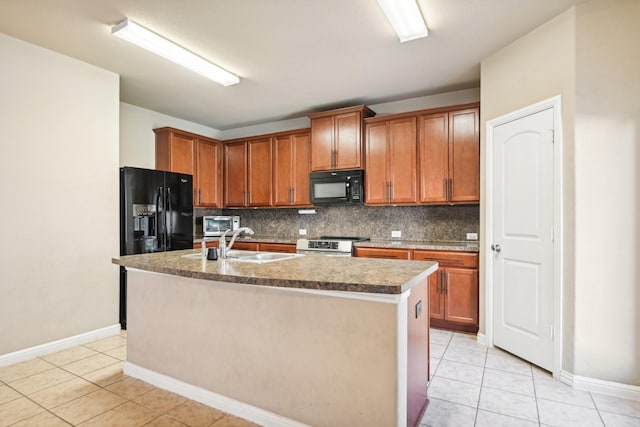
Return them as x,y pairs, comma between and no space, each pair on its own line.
396,233
302,232
472,236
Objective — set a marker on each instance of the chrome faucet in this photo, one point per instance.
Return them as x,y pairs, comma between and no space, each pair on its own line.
222,243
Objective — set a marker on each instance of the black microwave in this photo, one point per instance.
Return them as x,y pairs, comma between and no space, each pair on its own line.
337,188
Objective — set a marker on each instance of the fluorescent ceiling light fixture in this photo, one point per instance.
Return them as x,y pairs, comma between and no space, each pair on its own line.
147,39
405,18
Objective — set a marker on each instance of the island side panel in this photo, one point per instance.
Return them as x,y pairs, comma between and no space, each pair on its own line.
320,360
417,352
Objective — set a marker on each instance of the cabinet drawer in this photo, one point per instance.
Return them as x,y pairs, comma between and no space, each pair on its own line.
448,258
245,246
383,253
210,244
278,247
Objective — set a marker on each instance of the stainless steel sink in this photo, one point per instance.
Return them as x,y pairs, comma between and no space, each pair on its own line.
260,257
252,256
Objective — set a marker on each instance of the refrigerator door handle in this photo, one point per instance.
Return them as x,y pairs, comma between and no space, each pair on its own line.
159,214
168,226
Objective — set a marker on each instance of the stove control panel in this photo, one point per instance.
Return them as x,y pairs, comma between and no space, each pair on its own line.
322,244
334,246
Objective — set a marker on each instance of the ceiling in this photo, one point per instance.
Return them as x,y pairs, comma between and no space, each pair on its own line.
293,56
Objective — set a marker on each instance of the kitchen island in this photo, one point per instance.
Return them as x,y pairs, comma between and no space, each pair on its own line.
313,340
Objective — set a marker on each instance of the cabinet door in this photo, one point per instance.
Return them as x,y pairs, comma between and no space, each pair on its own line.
300,169
433,165
464,155
376,182
436,295
348,141
235,174
259,172
402,156
207,178
322,143
383,253
291,170
182,154
461,295
283,152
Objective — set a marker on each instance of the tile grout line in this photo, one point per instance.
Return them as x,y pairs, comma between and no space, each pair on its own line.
535,395
484,369
595,405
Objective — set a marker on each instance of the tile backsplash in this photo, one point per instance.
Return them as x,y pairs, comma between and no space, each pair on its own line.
434,223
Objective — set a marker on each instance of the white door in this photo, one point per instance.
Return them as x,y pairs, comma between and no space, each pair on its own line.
522,241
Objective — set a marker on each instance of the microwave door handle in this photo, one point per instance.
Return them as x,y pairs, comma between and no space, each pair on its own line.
348,191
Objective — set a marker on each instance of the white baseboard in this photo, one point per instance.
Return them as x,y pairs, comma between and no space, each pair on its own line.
218,401
55,346
481,338
594,385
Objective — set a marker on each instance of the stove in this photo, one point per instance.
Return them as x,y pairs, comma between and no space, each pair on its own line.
329,245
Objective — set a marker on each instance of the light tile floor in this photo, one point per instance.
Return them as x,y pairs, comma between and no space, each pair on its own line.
85,386
472,385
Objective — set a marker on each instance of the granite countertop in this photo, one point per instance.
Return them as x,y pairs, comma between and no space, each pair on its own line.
312,271
469,246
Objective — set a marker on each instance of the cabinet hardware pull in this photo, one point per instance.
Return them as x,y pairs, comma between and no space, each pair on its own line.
446,281
390,191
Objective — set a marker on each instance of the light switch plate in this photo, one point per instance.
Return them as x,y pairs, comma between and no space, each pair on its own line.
472,236
302,232
396,233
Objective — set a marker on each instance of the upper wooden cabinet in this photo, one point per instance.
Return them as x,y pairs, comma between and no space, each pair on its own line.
391,158
185,152
336,138
291,160
248,173
449,156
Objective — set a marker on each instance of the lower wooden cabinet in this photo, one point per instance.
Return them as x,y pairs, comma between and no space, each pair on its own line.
453,288
254,246
246,246
382,253
278,247
209,244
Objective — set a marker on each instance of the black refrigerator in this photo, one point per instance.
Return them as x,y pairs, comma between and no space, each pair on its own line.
156,215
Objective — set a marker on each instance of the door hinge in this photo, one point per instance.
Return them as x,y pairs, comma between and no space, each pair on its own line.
553,234
553,136
551,332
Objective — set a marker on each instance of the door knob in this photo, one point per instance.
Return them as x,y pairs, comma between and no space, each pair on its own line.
496,248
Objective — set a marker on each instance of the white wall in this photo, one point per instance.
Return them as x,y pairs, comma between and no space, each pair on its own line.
59,190
411,104
137,140
538,66
589,56
607,156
